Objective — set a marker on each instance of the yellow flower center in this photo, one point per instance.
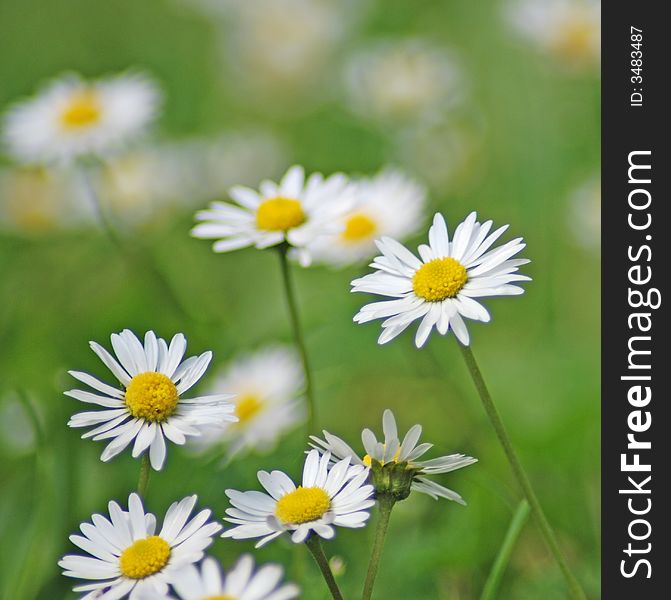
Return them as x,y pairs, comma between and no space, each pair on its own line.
144,557
359,227
279,214
302,505
574,39
368,461
247,407
438,279
82,110
151,396
225,597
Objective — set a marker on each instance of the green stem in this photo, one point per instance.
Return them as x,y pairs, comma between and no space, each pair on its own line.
298,335
386,504
143,481
100,212
133,253
521,476
516,524
315,548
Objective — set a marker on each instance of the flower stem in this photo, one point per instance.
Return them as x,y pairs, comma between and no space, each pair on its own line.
386,504
298,335
521,476
138,258
514,529
315,548
99,210
145,470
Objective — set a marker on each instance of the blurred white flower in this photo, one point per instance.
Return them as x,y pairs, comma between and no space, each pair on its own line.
267,385
398,454
388,204
441,288
569,30
242,582
330,495
441,152
72,117
403,80
281,46
584,214
294,211
150,183
35,199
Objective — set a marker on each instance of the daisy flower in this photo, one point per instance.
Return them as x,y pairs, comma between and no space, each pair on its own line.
150,406
293,211
71,117
268,402
401,80
329,496
569,30
441,287
389,203
38,200
242,582
398,457
127,557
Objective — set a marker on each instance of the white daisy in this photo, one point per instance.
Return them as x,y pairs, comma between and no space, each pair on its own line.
569,30
38,200
310,33
295,211
128,558
394,453
389,204
440,288
267,386
242,582
72,117
401,80
329,496
151,406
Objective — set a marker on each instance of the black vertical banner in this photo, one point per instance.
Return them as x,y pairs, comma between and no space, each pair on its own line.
636,361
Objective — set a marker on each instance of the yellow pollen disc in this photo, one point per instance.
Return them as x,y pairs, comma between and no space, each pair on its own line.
358,228
247,407
302,505
144,557
439,279
368,461
226,597
82,110
574,40
279,214
151,396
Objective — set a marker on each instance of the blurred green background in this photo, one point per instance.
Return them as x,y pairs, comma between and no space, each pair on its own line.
527,132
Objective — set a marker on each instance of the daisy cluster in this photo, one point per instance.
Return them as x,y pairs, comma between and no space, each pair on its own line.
149,401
